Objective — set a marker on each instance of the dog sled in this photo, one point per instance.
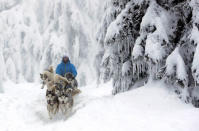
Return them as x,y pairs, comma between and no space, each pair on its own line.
60,92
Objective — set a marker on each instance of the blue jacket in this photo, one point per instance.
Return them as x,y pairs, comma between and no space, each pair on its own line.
64,68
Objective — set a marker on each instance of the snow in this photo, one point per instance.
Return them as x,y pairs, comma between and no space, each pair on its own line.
112,31
194,37
160,19
153,48
115,27
152,107
195,4
194,34
2,68
6,4
157,16
11,71
138,50
44,31
35,34
126,68
175,60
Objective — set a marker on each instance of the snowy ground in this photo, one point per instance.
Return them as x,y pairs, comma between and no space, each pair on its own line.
149,108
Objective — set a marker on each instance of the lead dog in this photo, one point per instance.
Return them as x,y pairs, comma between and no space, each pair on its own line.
50,78
65,99
52,103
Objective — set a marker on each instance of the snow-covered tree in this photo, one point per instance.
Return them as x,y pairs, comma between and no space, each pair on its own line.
118,42
36,34
156,39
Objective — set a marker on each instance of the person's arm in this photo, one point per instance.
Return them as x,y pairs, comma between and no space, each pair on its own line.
74,71
58,70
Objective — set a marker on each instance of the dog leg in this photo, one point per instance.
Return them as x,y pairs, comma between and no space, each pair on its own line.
61,108
50,111
57,108
50,115
42,87
66,111
71,102
54,111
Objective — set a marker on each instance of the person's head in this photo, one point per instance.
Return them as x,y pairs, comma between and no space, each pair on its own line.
65,59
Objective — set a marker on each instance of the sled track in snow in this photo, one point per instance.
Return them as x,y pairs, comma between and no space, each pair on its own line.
23,107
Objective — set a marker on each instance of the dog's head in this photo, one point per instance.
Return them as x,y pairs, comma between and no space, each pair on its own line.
58,89
43,76
58,92
74,83
51,100
46,73
69,76
68,91
50,69
49,94
63,99
49,97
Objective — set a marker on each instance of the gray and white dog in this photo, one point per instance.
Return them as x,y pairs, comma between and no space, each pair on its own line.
65,98
52,103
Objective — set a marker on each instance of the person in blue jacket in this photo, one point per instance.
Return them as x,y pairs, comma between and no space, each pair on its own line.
65,67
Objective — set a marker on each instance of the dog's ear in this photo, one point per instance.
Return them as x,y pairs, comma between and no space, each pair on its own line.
54,87
51,69
70,90
45,76
41,75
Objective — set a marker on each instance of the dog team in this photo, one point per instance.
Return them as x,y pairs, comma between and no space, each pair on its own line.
61,87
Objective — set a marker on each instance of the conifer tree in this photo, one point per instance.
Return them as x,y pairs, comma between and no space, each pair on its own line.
156,39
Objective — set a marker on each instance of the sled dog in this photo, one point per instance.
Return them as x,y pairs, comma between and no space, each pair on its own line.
65,99
52,103
50,78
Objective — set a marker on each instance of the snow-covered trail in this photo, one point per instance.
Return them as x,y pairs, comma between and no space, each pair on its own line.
149,108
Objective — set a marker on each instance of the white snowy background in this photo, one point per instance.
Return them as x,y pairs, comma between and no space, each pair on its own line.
37,33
